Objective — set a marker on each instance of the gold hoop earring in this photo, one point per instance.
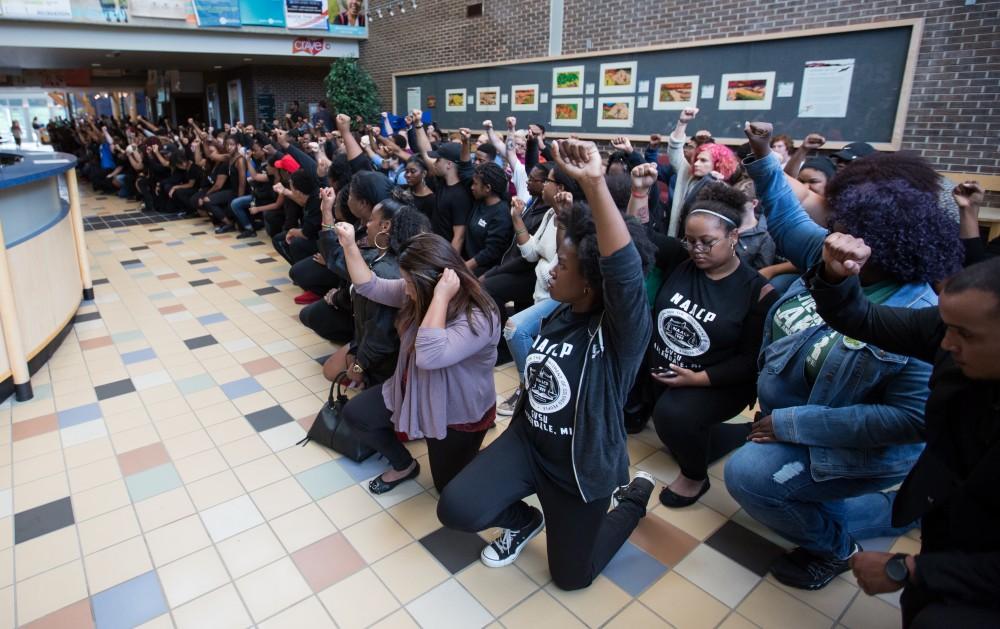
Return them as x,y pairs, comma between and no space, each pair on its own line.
375,241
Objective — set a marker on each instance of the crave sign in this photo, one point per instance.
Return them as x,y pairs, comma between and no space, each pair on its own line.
309,45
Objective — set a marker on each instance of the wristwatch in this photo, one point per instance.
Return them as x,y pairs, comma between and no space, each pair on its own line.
356,368
896,568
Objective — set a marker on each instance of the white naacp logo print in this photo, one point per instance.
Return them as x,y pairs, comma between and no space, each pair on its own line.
682,333
550,390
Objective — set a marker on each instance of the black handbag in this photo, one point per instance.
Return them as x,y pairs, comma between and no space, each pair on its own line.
331,431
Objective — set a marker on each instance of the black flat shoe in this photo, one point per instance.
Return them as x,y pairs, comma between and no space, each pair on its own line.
677,501
379,486
247,233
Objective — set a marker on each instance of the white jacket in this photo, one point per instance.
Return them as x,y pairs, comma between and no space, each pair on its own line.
541,247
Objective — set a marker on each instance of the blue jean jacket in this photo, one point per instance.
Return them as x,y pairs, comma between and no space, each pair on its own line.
864,413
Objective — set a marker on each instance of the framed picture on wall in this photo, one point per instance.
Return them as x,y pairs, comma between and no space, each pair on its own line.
524,97
747,90
675,92
618,77
454,100
567,112
615,111
567,80
487,99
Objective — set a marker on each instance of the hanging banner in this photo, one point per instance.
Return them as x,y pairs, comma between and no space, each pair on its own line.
349,17
306,14
217,13
161,9
112,11
39,9
262,13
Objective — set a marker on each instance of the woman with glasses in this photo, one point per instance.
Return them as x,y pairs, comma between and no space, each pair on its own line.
708,320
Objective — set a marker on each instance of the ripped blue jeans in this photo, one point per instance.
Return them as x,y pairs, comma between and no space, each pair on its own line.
772,482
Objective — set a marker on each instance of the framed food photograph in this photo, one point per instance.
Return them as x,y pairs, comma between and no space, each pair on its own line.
747,90
567,112
615,111
454,100
487,99
675,92
567,81
524,97
618,77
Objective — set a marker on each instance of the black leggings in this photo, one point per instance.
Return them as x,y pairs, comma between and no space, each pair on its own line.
517,287
329,322
217,205
922,610
310,275
582,536
368,416
684,420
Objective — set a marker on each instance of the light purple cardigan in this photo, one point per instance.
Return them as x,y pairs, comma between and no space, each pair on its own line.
450,377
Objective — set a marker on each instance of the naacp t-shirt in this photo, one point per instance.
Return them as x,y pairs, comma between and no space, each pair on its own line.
552,375
698,322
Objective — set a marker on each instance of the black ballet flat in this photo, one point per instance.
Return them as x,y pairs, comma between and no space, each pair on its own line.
676,501
378,486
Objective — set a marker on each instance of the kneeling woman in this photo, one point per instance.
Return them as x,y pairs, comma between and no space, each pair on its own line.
442,388
566,441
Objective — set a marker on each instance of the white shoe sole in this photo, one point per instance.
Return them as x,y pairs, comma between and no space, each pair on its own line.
500,563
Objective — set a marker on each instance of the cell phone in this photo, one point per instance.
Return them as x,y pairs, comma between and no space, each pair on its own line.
663,371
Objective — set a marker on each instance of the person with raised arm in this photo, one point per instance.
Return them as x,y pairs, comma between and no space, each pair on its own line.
450,164
566,442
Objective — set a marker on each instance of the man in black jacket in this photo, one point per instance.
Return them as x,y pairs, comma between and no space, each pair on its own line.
953,488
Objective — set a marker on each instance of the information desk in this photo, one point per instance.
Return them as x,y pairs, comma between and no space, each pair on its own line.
44,272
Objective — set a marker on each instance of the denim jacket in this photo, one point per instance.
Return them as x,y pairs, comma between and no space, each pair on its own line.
864,413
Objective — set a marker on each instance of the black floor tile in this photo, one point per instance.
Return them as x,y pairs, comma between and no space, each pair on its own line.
197,261
43,520
89,316
100,281
133,261
197,233
140,248
267,290
255,243
265,260
269,418
200,341
114,389
454,549
745,547
200,282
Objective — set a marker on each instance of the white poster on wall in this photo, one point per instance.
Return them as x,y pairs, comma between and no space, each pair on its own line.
42,9
826,88
161,9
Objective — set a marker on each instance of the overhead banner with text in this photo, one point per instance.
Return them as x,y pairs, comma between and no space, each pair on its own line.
262,13
161,9
306,14
217,12
349,17
39,9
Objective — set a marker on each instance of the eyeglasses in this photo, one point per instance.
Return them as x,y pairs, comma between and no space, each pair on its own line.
698,245
548,181
537,179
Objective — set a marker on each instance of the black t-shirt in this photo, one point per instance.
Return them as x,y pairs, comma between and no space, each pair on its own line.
222,168
552,373
697,321
426,204
454,204
194,173
488,234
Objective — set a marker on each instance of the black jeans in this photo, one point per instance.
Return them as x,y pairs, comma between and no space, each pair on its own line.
368,416
684,419
217,205
309,275
146,188
187,199
329,322
516,287
582,536
922,610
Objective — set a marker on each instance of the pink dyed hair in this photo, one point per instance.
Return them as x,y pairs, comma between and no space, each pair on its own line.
723,159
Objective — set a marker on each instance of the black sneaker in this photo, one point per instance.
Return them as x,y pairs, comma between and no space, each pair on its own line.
806,570
638,491
504,549
225,228
247,233
506,408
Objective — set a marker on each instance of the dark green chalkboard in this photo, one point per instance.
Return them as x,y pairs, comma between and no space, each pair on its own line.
884,57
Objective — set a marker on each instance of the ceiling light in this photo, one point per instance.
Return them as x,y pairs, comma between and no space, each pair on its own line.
379,13
402,8
414,3
95,65
247,59
217,67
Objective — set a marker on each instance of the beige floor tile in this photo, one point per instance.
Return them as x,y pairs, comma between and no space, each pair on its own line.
540,610
108,529
400,619
637,615
94,502
230,430
41,553
358,600
497,590
735,621
768,606
302,527
272,588
35,446
94,474
164,508
7,562
831,601
302,458
309,613
870,612
398,569
201,465
216,413
260,472
683,604
117,564
250,550
377,536
39,492
254,402
177,540
244,450
49,591
698,520
188,578
186,444
134,438
38,467
220,609
594,605
215,489
88,452
128,420
349,506
280,497
418,515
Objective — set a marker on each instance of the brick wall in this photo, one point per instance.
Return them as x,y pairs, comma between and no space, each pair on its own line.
954,115
303,83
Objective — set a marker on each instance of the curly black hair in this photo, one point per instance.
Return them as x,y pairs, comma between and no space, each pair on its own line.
908,167
582,232
493,176
720,198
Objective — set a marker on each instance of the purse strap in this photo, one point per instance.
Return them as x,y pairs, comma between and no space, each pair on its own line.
335,386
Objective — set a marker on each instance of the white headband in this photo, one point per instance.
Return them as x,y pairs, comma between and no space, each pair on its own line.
716,214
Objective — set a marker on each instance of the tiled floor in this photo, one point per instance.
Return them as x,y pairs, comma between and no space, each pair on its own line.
154,480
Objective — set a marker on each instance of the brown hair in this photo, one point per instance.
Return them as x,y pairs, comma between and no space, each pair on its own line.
424,258
789,142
